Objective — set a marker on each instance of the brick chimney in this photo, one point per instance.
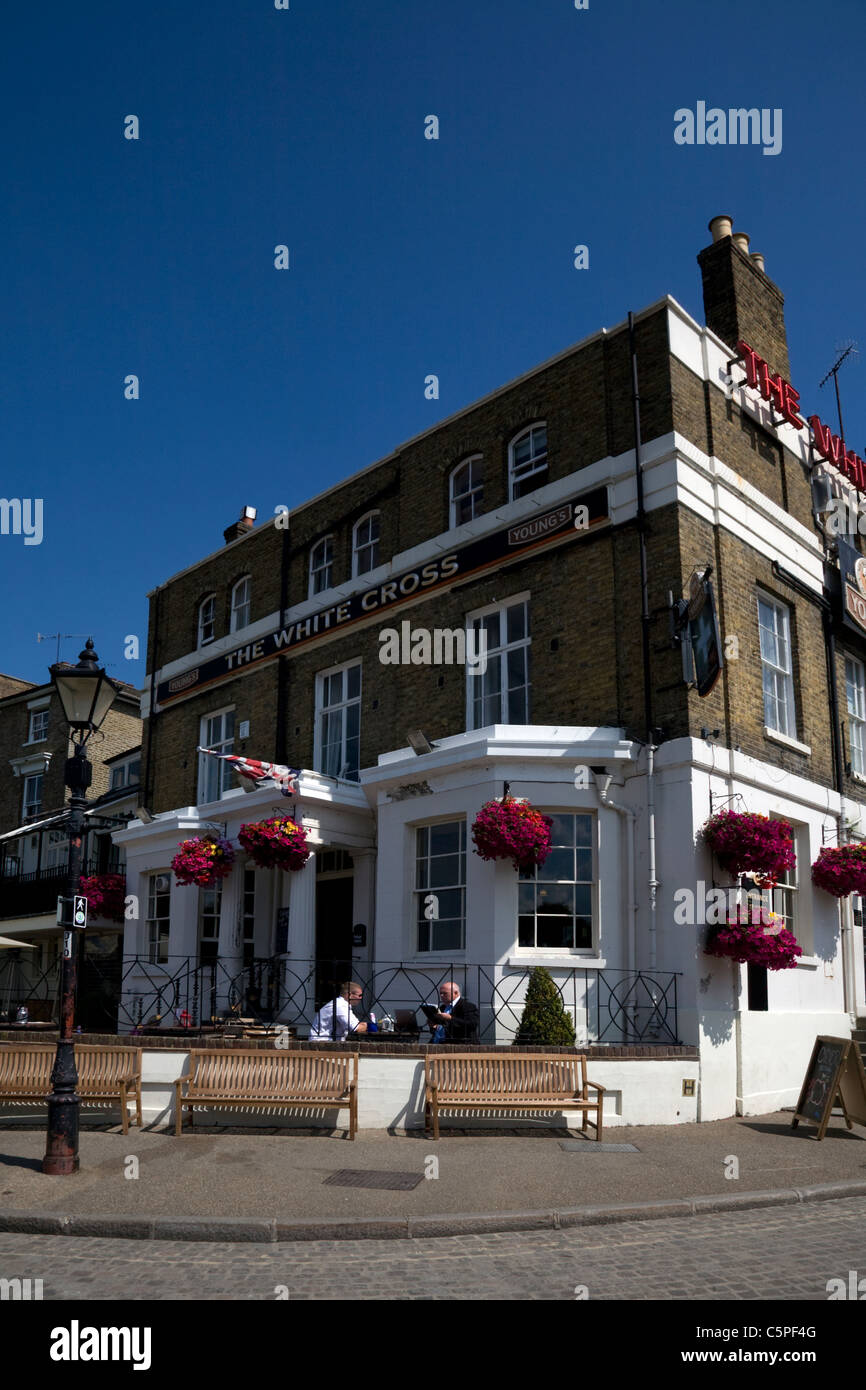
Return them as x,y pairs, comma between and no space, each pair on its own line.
740,300
241,527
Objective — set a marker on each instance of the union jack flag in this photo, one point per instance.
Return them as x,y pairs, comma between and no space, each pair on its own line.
261,774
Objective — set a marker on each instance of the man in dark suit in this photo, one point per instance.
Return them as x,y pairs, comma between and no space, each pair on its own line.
457,1019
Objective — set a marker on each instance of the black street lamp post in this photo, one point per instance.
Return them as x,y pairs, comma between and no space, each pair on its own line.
86,694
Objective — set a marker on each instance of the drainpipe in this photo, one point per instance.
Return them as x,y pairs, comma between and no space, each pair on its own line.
846,911
631,902
645,645
146,788
651,847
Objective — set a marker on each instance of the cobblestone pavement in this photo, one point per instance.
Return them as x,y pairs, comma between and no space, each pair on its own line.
767,1255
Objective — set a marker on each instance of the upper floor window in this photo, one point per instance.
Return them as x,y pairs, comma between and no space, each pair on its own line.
855,685
498,688
338,721
215,776
778,680
32,804
527,462
555,900
126,774
440,886
207,620
467,491
38,731
241,603
365,544
322,565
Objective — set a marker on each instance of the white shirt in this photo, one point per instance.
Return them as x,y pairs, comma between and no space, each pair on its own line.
324,1028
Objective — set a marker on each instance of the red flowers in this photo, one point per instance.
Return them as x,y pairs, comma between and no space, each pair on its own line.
203,861
748,843
278,843
105,894
841,870
510,829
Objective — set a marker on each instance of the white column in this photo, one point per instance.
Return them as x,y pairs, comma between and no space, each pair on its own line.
300,962
364,899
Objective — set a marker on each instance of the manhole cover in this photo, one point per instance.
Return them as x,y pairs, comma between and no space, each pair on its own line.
591,1147
357,1177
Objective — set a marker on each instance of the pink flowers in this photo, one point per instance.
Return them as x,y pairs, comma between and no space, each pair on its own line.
105,894
278,843
841,870
203,860
763,942
749,843
510,829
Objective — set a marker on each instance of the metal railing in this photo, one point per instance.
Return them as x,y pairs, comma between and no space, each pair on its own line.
38,891
606,1006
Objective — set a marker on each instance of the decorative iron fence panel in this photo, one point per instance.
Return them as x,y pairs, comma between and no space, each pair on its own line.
606,1006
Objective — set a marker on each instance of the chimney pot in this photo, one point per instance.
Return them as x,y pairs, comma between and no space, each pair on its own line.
721,226
741,240
757,260
241,527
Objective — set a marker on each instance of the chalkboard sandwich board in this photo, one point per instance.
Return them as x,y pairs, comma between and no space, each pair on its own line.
835,1076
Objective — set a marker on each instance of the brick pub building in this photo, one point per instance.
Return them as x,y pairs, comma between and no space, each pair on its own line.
560,514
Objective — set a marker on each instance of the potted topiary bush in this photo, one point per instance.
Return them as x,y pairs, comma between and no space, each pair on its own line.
545,1021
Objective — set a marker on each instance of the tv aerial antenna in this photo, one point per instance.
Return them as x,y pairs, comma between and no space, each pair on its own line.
844,351
50,636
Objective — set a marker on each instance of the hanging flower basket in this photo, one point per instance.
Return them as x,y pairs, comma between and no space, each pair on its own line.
105,894
841,870
747,843
514,830
758,938
278,843
203,861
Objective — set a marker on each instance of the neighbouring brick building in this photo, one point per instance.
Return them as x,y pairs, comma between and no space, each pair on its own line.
34,846
531,516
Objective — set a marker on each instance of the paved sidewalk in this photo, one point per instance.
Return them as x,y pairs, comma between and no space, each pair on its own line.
264,1185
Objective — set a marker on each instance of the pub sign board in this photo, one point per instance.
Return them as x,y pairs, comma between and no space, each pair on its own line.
567,520
852,567
835,1076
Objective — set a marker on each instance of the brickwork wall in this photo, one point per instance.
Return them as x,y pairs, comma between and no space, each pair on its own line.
177,733
736,705
120,731
718,426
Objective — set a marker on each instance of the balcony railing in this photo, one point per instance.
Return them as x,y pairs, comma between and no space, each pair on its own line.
23,895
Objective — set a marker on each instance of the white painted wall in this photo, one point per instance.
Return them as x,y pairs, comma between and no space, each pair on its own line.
391,1096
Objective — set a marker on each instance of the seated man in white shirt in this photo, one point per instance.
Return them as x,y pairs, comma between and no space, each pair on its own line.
335,1021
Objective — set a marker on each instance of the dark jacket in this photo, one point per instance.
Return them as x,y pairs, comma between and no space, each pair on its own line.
463,1026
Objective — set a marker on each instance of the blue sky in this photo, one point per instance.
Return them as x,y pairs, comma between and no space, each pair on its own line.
408,256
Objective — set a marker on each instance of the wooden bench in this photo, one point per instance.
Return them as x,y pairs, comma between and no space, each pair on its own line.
498,1081
104,1074
262,1079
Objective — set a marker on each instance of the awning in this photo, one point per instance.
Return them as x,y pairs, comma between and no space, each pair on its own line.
6,941
34,825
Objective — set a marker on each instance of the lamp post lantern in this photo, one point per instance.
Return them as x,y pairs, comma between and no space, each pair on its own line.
86,694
